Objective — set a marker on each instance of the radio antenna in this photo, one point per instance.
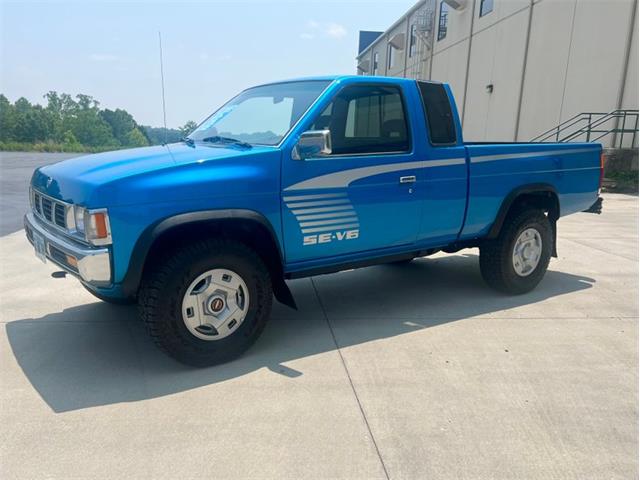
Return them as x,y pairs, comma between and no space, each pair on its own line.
164,107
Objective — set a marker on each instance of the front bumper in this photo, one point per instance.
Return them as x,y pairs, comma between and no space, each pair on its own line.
91,264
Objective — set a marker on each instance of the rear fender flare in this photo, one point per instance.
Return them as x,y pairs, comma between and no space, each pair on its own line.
512,198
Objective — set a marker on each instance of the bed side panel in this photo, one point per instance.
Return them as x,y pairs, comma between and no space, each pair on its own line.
573,170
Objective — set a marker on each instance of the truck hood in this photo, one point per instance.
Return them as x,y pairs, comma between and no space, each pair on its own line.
80,179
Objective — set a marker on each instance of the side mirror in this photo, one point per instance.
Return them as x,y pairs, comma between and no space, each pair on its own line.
312,143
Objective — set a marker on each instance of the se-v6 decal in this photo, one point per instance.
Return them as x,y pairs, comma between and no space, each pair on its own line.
331,216
324,217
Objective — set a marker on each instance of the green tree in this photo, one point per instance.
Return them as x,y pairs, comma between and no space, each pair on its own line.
70,142
121,123
56,110
84,120
187,128
7,119
135,138
77,123
161,135
30,122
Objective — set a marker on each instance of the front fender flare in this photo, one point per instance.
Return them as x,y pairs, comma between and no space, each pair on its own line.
133,276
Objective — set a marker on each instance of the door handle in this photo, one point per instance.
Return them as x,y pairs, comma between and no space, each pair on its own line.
408,179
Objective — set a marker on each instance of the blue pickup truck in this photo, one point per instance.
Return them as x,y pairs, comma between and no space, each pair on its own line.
294,179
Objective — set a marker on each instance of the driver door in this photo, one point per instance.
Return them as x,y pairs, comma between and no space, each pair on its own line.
363,195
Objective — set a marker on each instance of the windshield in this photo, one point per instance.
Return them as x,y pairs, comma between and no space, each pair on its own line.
261,115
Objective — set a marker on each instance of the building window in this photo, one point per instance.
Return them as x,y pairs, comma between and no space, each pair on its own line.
442,24
391,54
375,63
486,6
412,41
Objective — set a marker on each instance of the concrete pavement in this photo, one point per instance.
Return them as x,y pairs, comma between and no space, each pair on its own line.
415,371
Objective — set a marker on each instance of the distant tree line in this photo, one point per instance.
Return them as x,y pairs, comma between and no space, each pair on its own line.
75,125
159,135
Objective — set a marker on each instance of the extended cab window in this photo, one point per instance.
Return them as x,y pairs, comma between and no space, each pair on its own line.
366,120
442,129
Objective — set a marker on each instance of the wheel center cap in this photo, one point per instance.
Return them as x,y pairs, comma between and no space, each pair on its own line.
216,304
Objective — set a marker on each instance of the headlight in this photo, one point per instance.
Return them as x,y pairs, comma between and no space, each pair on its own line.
94,225
79,216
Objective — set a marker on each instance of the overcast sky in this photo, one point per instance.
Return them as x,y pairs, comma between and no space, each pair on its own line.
212,49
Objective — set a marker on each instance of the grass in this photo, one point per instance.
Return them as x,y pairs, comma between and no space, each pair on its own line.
53,147
625,182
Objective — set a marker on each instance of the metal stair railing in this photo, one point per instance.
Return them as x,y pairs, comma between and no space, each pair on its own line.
593,125
555,131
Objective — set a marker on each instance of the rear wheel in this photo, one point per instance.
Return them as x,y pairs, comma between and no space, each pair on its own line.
208,302
517,260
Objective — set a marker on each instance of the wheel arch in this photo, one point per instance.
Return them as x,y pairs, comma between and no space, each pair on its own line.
537,195
246,226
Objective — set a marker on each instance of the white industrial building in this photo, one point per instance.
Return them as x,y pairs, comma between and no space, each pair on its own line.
520,67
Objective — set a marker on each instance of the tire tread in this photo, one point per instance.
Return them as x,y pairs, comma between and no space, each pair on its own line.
153,288
495,255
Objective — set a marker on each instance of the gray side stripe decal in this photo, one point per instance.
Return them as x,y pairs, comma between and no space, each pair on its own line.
322,212
330,228
319,216
562,170
332,221
345,177
322,209
314,197
511,156
319,203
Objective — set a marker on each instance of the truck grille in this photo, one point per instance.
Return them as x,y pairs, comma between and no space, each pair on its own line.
50,210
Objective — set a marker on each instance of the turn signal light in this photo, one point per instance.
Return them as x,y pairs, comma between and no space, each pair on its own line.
93,225
99,224
72,261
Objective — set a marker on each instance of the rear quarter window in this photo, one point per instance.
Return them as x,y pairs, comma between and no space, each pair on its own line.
435,101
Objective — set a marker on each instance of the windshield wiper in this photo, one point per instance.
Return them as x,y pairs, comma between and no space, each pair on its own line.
188,141
227,140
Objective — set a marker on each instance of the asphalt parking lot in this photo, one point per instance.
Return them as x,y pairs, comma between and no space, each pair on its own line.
15,173
417,371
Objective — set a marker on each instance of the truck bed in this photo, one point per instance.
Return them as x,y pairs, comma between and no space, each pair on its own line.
572,170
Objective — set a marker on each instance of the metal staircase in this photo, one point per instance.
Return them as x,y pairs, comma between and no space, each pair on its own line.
424,22
594,126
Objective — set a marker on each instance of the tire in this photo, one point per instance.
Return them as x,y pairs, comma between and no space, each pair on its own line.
164,290
497,264
111,300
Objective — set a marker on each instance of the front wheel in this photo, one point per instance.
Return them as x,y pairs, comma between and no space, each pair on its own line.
206,303
517,260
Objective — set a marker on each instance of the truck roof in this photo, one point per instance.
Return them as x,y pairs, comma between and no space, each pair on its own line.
331,78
